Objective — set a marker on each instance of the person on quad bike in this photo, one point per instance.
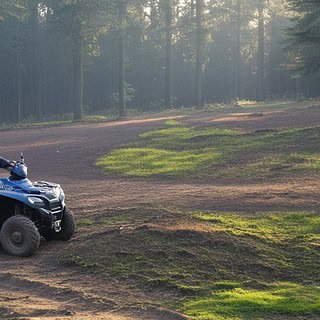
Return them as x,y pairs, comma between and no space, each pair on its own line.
6,164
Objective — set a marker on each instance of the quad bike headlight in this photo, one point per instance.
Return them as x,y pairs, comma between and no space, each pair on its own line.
62,196
36,201
57,192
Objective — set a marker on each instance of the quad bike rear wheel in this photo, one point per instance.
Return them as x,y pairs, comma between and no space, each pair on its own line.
67,228
19,236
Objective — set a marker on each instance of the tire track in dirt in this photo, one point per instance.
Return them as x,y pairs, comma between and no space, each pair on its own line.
65,297
36,299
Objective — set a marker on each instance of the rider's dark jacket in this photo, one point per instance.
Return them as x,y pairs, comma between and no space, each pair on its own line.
4,163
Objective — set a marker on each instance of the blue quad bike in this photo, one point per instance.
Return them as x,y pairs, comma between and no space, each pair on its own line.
31,210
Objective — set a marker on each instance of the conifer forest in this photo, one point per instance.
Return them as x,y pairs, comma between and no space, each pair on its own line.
81,57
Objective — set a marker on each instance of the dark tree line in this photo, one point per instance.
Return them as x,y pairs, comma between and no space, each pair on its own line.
75,57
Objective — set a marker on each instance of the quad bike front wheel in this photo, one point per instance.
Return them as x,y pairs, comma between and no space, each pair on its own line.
19,236
67,228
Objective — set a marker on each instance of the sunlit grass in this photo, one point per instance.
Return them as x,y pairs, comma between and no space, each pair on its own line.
276,165
298,236
278,300
276,227
173,151
246,103
173,123
275,103
146,162
304,160
176,150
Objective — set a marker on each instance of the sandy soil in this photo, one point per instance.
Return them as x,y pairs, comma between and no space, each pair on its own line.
38,288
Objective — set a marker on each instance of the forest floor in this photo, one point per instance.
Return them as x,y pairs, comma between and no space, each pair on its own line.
51,286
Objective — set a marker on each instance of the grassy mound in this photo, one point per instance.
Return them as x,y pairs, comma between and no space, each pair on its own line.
227,266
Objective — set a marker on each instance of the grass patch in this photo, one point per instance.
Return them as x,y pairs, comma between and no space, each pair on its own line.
265,104
280,300
276,227
173,151
220,154
304,160
144,162
173,123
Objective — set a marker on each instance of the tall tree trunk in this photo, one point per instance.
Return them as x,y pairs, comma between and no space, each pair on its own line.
260,58
199,32
19,75
192,8
77,65
168,71
122,15
153,13
43,97
237,54
273,85
34,69
19,85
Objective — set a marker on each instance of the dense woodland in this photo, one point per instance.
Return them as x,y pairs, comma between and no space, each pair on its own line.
77,57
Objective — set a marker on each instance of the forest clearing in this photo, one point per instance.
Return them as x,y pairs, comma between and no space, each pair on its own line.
234,237
185,137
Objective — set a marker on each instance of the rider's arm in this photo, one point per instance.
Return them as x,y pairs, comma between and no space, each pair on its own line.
4,163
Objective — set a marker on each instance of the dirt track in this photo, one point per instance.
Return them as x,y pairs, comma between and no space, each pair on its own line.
37,288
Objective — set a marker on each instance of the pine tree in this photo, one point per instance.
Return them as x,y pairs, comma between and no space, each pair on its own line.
12,8
304,36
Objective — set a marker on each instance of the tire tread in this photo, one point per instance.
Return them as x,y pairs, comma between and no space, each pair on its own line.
31,231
